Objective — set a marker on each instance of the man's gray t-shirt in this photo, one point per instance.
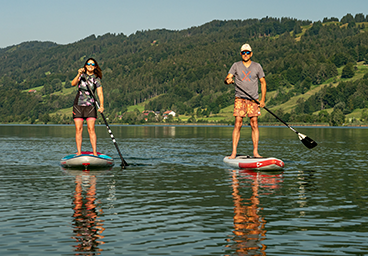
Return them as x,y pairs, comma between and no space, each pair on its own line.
246,78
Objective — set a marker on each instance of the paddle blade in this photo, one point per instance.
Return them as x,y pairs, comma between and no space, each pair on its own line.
308,142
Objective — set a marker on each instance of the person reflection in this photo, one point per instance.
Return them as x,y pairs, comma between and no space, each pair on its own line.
87,225
249,225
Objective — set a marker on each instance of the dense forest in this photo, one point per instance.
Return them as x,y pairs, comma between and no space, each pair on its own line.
184,70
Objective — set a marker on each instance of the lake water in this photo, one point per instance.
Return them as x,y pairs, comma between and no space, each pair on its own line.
177,197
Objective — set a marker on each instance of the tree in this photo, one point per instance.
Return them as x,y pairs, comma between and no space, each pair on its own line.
297,29
306,84
337,118
47,89
56,85
45,118
347,18
67,84
151,117
323,116
170,119
340,59
364,115
192,119
359,17
348,71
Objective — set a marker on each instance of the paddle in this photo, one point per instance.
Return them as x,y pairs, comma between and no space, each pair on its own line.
123,163
308,142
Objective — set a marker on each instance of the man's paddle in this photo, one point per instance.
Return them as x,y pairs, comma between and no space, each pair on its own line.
123,163
308,142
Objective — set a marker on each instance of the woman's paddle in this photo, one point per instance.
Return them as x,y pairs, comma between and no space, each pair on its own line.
308,142
123,163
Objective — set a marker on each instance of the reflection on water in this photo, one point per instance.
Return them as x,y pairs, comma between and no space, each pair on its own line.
249,225
306,180
177,197
88,226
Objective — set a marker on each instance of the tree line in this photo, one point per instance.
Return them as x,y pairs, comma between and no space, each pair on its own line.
183,70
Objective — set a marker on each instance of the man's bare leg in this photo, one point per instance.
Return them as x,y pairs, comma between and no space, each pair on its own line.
255,135
236,135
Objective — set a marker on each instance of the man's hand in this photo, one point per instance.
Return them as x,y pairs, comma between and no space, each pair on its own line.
229,79
262,104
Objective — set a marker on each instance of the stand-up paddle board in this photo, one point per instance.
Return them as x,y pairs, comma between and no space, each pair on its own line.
86,160
255,163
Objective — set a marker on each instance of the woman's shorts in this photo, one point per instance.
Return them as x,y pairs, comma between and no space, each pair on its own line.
84,112
244,107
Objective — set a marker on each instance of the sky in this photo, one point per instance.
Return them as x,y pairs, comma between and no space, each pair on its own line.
68,21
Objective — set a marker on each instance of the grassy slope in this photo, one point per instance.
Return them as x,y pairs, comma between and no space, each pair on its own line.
290,105
226,113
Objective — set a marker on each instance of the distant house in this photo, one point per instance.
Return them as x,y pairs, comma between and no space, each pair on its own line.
34,91
147,112
167,113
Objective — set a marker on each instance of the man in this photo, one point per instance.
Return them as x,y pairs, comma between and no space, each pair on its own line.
246,74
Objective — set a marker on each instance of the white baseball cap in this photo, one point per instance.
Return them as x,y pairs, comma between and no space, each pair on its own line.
246,47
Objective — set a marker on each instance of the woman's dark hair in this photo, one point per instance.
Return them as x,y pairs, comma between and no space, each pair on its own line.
97,69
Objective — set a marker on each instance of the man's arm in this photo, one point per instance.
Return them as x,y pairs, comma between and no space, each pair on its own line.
229,79
263,91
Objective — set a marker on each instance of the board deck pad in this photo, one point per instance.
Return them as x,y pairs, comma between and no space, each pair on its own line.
87,160
255,163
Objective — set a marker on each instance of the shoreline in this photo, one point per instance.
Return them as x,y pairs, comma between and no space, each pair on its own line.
204,125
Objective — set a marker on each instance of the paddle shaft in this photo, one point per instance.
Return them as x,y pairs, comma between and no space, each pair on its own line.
123,162
269,111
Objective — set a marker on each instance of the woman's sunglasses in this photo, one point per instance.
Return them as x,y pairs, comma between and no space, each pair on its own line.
89,64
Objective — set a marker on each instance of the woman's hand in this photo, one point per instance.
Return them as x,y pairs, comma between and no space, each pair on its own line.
101,109
81,71
76,78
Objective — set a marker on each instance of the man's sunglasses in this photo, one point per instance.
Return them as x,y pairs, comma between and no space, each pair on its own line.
246,52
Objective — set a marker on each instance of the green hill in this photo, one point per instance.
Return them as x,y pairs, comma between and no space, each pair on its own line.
184,70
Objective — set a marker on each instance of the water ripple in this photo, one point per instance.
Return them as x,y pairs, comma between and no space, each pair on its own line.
177,197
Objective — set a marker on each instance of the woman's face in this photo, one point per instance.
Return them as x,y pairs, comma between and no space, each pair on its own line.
90,66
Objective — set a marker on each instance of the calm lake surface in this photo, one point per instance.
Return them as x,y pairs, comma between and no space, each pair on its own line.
177,197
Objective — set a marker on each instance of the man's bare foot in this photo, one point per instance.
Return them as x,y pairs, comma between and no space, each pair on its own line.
257,155
232,156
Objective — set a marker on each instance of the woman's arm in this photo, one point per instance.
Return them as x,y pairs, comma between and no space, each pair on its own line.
101,99
76,79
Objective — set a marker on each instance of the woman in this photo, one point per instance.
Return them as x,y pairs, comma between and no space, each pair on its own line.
84,107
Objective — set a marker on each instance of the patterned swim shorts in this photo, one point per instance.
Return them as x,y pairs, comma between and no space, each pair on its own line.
243,107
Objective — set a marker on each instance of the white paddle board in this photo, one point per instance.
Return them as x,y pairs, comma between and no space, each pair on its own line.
255,163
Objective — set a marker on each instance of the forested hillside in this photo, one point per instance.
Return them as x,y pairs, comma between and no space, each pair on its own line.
184,70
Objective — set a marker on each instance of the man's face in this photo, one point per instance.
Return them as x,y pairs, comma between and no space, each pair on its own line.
246,55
